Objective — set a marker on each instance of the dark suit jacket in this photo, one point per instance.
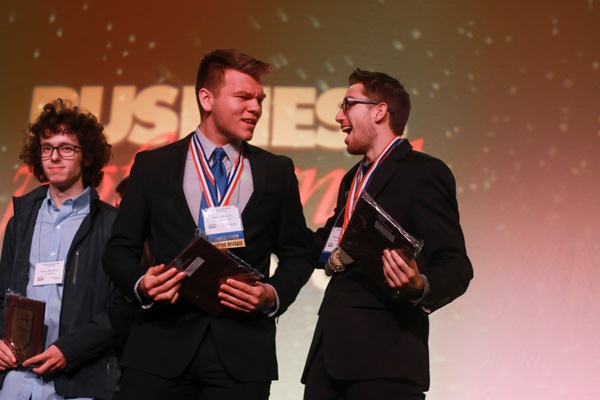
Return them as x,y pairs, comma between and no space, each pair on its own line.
364,333
154,208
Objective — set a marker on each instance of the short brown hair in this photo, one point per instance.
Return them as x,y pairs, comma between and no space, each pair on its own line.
211,71
89,132
383,88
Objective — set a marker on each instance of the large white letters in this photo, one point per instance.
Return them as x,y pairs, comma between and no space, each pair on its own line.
293,117
154,114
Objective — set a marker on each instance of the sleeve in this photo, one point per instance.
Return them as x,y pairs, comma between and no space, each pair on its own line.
125,247
294,243
6,267
436,217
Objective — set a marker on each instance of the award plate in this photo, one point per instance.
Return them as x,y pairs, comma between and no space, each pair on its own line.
370,231
24,326
207,268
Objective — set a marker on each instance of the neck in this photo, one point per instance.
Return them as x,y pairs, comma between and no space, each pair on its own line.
379,145
371,155
212,134
59,195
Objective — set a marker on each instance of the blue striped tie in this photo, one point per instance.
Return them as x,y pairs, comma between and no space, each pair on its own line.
219,171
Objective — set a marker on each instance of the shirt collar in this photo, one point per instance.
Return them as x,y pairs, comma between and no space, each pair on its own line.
232,149
79,202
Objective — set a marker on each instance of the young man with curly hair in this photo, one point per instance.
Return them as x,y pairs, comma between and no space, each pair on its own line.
62,224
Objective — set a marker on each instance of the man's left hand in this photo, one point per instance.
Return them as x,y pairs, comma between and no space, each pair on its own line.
402,276
52,360
246,297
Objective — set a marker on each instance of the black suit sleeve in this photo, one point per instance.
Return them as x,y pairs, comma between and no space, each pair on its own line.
6,266
293,243
126,245
436,218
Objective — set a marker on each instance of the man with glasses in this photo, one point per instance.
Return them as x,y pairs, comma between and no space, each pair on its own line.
368,343
52,253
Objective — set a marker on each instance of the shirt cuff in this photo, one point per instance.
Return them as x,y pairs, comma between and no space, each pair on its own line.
425,300
271,311
145,302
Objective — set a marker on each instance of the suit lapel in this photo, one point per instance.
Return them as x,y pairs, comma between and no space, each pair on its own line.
388,168
259,180
180,149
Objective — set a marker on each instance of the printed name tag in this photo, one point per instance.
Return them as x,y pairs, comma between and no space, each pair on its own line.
331,244
49,273
223,226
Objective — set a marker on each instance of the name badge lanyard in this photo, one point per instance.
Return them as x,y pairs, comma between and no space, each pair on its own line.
207,180
361,181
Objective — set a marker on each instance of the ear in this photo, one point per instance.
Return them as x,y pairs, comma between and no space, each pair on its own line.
87,162
206,99
380,112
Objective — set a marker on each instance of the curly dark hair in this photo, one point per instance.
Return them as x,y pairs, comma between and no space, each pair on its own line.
83,125
383,88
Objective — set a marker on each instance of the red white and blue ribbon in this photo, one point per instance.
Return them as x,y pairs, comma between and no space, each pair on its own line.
207,180
361,181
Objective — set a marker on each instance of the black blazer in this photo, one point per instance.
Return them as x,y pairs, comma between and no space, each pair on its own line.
166,337
364,333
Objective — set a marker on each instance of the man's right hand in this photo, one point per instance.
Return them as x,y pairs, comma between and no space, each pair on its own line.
160,284
7,358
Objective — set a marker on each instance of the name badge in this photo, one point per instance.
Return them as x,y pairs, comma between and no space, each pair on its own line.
223,227
331,244
49,273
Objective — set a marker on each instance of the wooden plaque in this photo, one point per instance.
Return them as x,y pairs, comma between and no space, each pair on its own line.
24,326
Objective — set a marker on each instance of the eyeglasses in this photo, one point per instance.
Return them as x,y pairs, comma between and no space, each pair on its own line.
64,150
348,101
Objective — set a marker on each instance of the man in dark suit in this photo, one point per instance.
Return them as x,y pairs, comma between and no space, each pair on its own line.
175,350
368,343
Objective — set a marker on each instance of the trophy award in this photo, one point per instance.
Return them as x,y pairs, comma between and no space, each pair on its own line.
24,326
372,230
207,268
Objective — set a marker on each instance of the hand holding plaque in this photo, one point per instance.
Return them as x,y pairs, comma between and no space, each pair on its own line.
24,326
207,268
370,231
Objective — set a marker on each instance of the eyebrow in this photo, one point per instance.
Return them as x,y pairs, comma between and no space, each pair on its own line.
59,144
262,96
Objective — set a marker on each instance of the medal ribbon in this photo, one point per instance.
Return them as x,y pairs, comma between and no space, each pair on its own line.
361,181
207,180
